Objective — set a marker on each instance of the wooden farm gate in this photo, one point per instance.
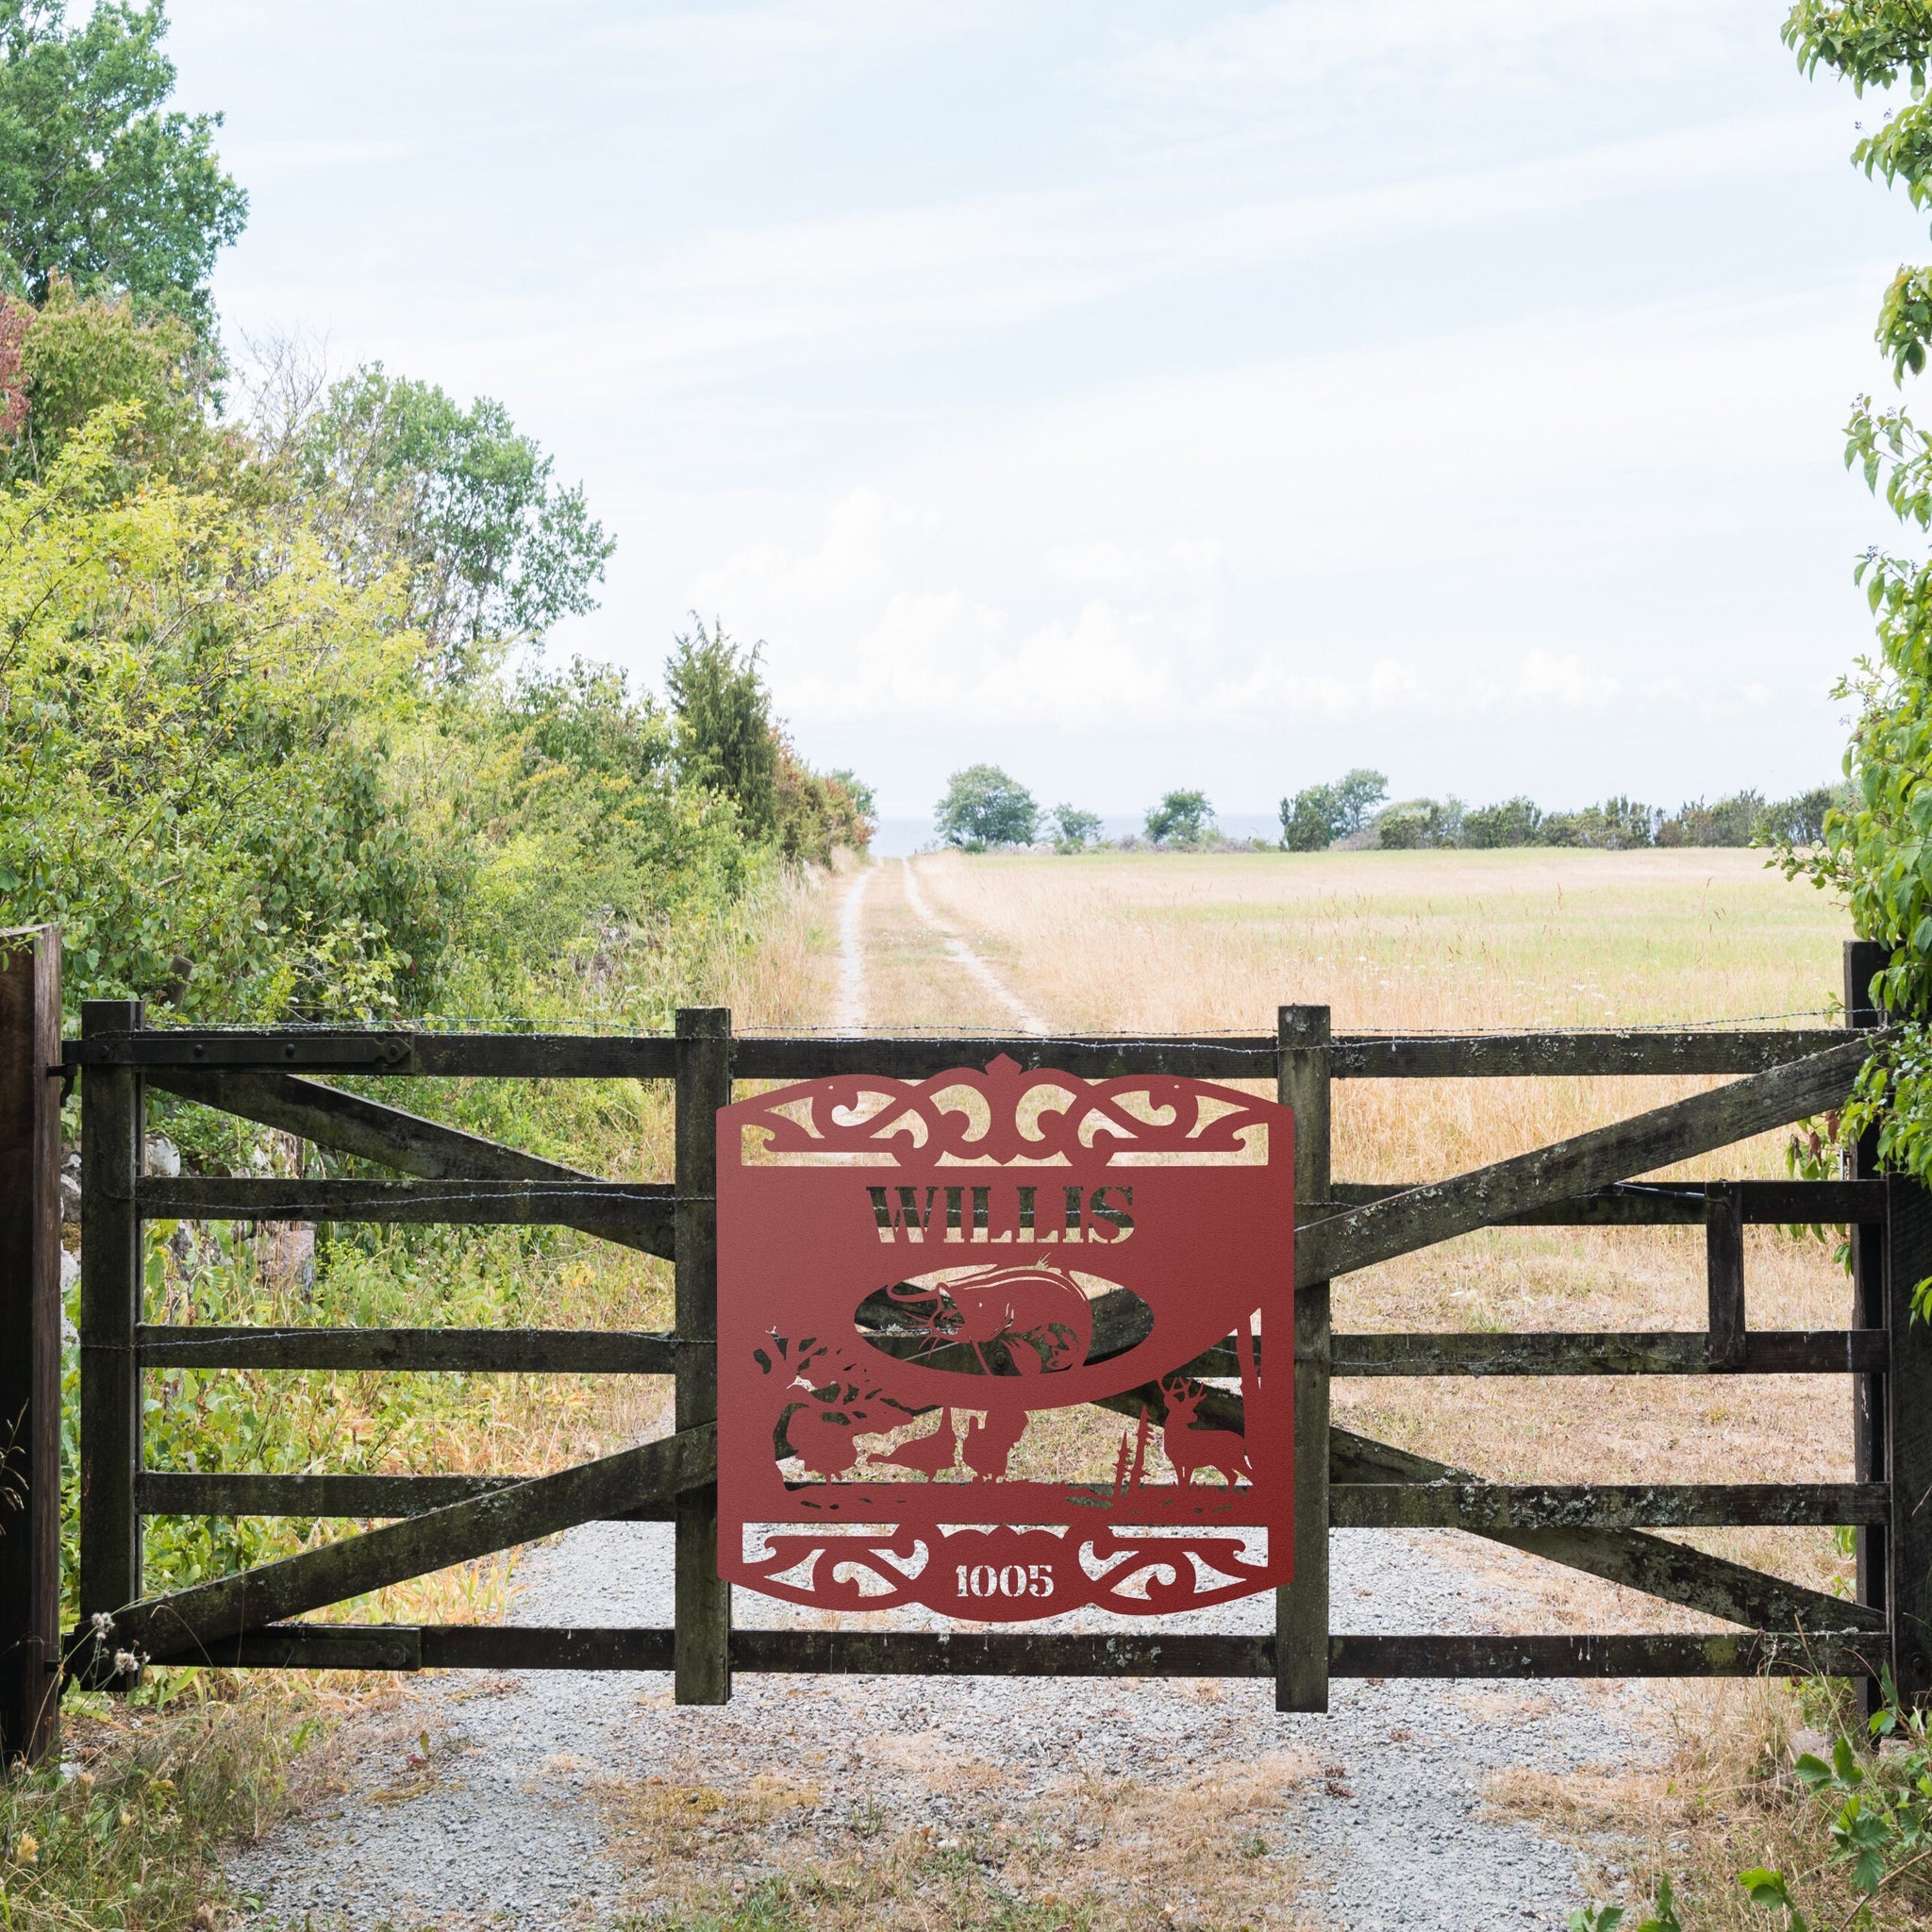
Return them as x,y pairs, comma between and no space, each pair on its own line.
279,1077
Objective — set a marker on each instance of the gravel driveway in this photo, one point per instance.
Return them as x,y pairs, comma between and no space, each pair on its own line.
1371,1817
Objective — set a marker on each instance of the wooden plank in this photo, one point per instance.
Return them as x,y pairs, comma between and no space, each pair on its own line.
1724,1253
1580,1054
1652,1564
315,1647
1767,1352
1004,1653
1043,1653
1233,1056
112,1148
469,1351
194,1492
643,1208
1480,1506
31,1361
1755,1654
1909,1443
509,1647
702,1608
191,1492
1301,1606
343,1049
1583,1054
1669,1204
191,1620
1440,1211
350,1124
1803,1203
348,1049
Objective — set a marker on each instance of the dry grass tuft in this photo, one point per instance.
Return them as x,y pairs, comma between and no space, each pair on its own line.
1101,1855
1724,1801
122,1837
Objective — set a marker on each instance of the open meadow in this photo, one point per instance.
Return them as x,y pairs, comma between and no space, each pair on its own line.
1454,942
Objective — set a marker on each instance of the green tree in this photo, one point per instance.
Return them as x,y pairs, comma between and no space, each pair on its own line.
1356,795
1181,818
1318,815
1074,830
983,807
726,738
494,549
1311,820
99,182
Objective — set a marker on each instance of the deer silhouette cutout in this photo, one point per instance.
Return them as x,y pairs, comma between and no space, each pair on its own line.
1188,1448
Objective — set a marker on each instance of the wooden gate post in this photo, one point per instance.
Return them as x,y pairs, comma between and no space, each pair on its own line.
703,1639
1909,1440
1863,961
113,1120
30,1352
1301,1606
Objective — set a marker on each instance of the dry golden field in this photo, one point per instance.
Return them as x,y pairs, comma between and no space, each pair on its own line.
1450,941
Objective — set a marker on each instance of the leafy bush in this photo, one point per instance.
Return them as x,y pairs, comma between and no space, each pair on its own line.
1515,822
1074,830
1420,822
1181,818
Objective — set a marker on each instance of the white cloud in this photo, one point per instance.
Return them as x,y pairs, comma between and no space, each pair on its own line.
1550,682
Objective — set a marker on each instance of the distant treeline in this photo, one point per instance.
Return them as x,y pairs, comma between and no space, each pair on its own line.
1352,810
988,809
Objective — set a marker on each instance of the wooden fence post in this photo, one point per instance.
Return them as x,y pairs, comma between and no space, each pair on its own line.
1863,961
703,1643
30,1354
1301,1606
1724,1262
114,1119
1909,1440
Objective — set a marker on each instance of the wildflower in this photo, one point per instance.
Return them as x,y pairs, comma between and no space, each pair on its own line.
29,1849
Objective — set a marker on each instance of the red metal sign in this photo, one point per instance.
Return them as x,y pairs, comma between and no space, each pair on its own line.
920,1289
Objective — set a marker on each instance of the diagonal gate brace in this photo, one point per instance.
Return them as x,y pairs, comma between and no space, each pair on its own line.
371,1131
191,1624
1441,1210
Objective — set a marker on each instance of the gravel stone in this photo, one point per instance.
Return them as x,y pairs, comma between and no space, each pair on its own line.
505,1826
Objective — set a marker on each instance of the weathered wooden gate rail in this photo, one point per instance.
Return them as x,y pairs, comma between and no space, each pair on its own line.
1342,1480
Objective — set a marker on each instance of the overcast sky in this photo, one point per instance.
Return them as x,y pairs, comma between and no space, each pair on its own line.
1135,396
